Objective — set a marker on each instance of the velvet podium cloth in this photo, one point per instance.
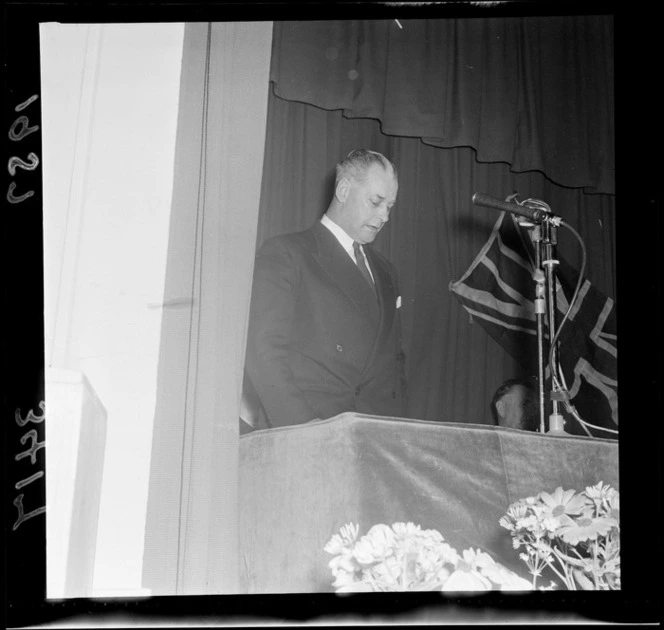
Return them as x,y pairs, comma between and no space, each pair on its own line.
300,484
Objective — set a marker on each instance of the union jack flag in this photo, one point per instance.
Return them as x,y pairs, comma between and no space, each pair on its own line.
498,290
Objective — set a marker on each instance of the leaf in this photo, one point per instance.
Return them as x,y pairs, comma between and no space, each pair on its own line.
583,581
569,560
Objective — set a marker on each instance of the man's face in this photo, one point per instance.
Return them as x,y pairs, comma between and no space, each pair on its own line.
513,407
367,205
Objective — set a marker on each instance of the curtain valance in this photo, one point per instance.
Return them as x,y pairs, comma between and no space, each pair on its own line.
534,92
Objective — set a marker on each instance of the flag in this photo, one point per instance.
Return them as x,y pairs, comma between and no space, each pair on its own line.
498,290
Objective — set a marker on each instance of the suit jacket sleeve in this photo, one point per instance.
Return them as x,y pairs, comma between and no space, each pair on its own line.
274,295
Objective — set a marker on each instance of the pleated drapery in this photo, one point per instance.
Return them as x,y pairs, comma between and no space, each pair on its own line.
191,539
533,92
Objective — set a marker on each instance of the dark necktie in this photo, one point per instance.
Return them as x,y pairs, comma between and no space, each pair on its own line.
362,265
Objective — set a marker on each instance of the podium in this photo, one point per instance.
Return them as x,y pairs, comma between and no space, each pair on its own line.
300,484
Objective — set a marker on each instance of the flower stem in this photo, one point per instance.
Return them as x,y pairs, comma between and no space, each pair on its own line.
595,565
569,580
553,568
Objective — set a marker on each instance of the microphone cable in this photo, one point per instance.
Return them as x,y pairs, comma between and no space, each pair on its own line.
561,386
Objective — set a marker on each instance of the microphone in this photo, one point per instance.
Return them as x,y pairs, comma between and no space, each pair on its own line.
534,214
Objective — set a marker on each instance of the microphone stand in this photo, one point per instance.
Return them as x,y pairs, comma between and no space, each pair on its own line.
550,240
540,312
545,239
544,235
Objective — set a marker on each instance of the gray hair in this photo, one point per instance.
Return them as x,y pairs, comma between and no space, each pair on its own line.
356,164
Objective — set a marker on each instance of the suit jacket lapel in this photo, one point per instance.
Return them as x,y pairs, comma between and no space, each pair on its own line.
387,293
341,270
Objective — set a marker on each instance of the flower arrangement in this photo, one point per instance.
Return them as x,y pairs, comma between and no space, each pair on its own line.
405,557
576,535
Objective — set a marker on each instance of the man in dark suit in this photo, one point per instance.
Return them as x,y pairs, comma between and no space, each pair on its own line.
324,333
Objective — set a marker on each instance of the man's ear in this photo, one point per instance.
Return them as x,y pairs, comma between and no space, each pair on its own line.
500,408
342,189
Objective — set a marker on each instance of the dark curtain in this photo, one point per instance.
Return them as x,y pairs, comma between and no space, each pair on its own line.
533,92
435,232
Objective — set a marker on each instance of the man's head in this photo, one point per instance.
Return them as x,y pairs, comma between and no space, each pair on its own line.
365,190
515,405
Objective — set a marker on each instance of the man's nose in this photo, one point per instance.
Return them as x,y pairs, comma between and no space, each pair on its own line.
383,214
